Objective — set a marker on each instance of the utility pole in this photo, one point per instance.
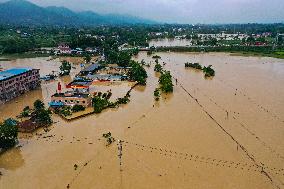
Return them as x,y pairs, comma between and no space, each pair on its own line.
120,154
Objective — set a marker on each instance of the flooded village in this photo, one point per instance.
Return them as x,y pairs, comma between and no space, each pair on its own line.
110,101
205,126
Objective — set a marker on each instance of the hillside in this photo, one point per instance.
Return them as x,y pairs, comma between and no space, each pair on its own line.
22,12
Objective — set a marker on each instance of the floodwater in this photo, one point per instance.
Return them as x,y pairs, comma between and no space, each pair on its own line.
224,132
170,42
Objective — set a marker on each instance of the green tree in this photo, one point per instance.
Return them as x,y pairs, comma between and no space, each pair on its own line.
209,72
38,105
157,94
166,82
137,73
40,114
43,117
8,133
124,59
78,108
158,67
100,103
88,58
26,112
65,68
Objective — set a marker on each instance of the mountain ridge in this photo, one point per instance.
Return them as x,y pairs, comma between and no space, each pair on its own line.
23,12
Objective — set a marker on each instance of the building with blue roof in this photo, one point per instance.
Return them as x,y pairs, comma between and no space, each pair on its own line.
16,81
7,74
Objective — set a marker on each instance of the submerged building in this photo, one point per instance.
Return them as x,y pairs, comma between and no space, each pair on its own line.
16,81
70,98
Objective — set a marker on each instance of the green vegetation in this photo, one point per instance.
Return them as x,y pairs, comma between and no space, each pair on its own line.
65,68
165,82
137,73
38,114
26,112
78,108
41,115
65,111
107,39
158,67
193,65
157,94
156,57
209,72
109,138
8,133
100,103
87,58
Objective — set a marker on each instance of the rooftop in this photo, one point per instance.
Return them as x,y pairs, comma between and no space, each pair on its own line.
91,68
71,94
12,72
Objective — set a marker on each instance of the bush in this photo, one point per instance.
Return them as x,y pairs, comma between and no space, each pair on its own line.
209,72
193,65
158,68
26,112
157,94
65,111
78,108
156,57
108,138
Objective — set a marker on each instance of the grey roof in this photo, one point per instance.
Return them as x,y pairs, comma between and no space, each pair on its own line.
91,67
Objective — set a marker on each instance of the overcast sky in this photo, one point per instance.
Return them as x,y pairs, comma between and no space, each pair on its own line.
183,11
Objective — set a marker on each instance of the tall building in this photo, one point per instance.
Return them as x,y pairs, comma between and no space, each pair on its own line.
16,81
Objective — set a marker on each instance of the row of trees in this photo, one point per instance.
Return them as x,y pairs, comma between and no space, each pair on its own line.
165,81
104,38
208,71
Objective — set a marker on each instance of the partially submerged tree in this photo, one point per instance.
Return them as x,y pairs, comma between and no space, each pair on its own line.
166,82
8,133
157,94
109,138
41,115
137,73
100,103
158,67
65,68
26,112
87,58
209,72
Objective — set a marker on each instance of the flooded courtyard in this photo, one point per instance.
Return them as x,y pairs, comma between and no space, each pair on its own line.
223,132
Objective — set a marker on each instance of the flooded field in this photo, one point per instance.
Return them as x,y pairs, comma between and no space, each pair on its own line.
170,42
224,132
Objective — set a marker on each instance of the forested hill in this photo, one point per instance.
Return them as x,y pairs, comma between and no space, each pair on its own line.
22,12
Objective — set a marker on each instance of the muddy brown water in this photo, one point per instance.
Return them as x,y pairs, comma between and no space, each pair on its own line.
224,132
170,42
